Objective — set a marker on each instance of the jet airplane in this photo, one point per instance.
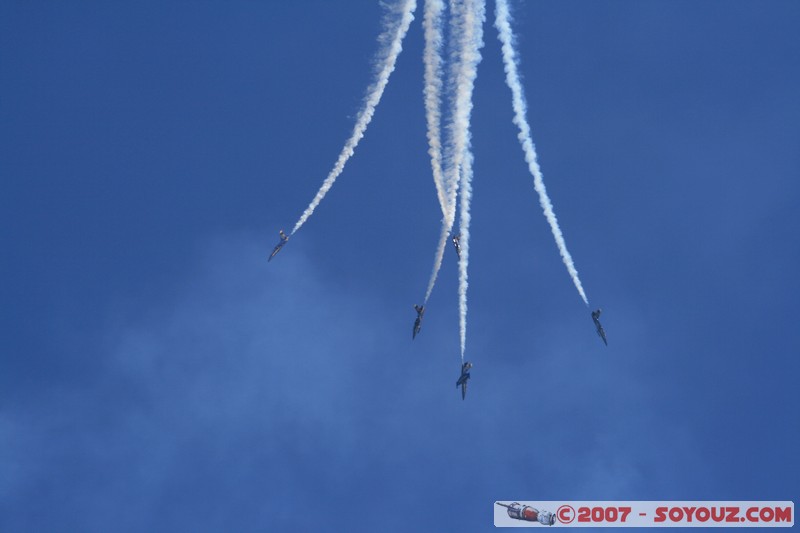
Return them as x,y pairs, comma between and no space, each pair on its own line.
600,330
420,309
463,379
457,244
283,241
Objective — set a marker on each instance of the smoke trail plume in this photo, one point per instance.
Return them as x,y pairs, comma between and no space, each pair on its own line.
466,195
466,23
392,38
506,36
432,24
463,260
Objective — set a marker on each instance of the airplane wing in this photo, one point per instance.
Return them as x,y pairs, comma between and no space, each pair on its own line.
275,251
284,240
600,331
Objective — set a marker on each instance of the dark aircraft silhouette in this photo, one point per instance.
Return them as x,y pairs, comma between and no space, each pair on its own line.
420,309
457,244
463,379
600,330
284,240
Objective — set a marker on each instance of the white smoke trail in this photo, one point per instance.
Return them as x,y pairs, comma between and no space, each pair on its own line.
506,36
432,24
466,196
447,227
463,260
467,23
392,38
459,34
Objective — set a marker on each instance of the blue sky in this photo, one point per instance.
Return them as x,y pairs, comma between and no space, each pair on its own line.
157,374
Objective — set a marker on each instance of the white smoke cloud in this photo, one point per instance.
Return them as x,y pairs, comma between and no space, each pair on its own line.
506,36
432,24
392,36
